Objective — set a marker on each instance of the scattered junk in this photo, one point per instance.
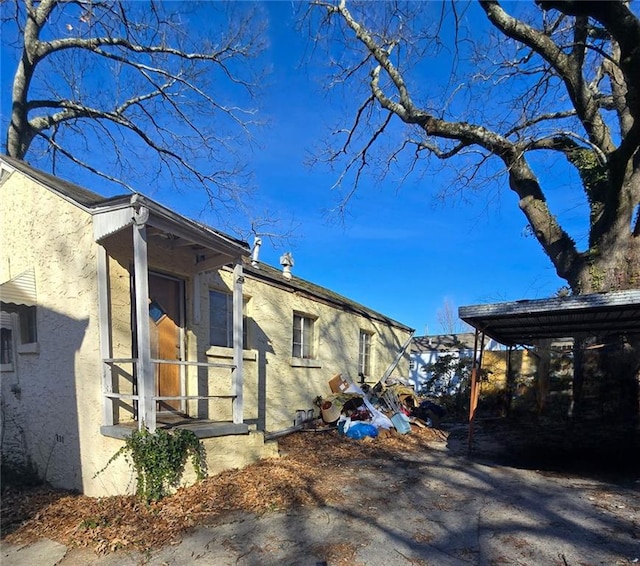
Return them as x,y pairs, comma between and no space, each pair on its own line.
429,412
358,411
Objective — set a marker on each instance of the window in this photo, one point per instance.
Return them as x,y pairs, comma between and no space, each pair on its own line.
26,320
28,334
6,346
303,337
221,320
364,353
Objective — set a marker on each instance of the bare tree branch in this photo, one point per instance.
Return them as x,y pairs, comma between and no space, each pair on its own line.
154,85
555,70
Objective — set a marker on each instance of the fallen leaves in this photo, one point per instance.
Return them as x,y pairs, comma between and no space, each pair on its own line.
304,475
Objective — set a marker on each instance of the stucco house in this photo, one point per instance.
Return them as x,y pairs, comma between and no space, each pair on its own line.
119,313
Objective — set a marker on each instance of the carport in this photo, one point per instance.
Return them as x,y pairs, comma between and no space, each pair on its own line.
527,322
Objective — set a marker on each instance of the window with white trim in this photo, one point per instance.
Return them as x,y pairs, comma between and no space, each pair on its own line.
303,336
221,319
364,353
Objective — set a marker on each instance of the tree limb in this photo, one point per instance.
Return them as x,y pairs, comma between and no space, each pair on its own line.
566,66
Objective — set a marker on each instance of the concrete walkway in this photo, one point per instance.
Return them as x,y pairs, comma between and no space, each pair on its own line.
430,508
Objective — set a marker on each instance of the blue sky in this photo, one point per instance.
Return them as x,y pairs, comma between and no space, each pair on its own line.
399,250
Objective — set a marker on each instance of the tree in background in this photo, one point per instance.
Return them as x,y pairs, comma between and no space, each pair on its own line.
139,93
541,95
448,319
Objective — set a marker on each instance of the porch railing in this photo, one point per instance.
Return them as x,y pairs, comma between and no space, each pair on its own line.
110,396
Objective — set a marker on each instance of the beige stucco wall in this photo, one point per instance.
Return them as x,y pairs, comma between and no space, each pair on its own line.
277,386
53,396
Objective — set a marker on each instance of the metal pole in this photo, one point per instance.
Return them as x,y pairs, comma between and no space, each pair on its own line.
472,396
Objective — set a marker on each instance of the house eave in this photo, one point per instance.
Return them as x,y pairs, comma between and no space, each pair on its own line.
304,288
212,249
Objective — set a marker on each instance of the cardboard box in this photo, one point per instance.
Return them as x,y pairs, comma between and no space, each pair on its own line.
338,384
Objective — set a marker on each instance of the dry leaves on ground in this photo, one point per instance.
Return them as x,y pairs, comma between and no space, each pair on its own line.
302,476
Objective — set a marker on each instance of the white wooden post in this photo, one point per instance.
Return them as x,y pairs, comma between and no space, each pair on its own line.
145,373
237,377
196,299
105,336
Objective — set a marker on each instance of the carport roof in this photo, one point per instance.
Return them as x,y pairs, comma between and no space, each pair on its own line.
527,321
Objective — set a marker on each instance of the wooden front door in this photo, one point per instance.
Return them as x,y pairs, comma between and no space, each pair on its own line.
165,321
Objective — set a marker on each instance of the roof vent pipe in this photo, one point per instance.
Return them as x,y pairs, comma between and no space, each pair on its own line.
255,252
286,261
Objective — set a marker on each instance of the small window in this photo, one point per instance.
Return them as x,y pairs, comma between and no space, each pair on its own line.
221,320
303,337
364,353
6,346
26,320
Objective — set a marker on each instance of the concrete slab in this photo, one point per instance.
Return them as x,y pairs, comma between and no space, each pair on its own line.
43,553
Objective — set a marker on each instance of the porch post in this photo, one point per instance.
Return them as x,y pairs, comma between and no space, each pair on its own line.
105,335
237,386
145,373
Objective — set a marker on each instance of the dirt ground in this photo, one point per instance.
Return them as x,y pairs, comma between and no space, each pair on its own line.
413,499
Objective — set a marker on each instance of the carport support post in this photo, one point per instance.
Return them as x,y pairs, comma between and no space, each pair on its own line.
474,393
509,385
145,373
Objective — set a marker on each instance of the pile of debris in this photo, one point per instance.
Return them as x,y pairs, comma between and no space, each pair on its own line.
359,411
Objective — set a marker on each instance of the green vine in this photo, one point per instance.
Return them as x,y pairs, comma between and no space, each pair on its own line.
593,173
159,459
597,276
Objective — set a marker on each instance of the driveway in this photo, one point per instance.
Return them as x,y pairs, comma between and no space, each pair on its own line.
433,507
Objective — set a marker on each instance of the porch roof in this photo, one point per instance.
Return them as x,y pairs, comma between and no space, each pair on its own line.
167,229
527,321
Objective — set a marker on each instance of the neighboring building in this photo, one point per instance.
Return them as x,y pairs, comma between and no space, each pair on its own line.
118,312
427,350
547,364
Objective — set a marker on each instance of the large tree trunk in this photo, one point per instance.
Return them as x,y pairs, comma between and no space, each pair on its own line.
610,375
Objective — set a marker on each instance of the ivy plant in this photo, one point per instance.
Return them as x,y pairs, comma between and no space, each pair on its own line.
159,459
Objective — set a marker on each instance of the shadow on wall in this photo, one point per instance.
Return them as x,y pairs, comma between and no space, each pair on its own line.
39,402
387,345
335,353
261,343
